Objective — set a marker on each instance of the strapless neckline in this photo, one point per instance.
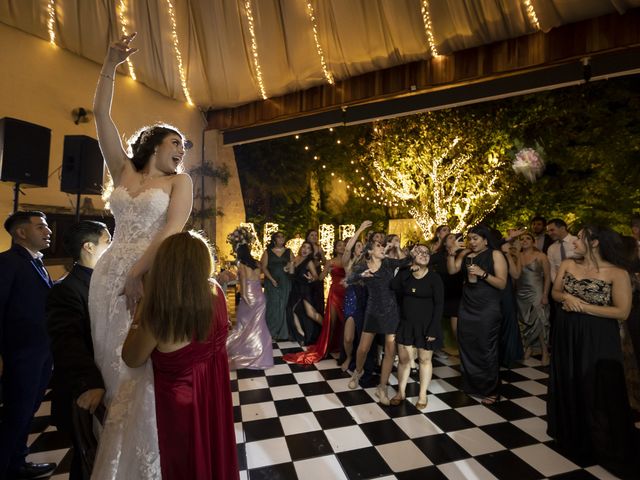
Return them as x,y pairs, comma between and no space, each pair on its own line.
141,193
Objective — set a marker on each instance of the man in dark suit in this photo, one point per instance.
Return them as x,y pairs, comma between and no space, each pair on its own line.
76,377
539,230
25,357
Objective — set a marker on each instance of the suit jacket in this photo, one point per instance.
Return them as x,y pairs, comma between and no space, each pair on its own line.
23,294
74,369
545,244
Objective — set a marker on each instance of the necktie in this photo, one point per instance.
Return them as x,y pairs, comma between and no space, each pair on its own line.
563,253
43,271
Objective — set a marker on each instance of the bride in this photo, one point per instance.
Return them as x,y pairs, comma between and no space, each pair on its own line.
150,201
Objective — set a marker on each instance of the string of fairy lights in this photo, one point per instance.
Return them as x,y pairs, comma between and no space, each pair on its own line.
254,49
326,236
428,27
314,27
531,13
176,49
123,9
122,13
51,21
362,189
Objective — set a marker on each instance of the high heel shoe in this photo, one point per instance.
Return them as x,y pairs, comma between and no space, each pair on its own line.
421,405
355,379
381,393
345,365
490,400
395,401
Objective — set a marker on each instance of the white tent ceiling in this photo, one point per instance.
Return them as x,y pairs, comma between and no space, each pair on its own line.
233,51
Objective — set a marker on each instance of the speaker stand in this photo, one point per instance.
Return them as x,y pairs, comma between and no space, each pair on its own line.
16,196
78,206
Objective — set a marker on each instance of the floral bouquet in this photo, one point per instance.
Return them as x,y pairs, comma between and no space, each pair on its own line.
240,236
529,164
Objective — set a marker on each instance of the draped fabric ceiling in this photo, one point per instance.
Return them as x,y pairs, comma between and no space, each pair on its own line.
233,51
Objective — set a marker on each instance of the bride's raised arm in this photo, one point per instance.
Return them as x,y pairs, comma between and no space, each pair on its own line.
108,136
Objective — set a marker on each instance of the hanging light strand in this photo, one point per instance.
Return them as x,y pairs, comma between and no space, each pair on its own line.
531,12
314,26
269,229
176,49
51,21
254,49
346,231
428,28
124,28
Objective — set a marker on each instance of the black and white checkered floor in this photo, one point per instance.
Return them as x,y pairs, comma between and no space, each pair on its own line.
295,421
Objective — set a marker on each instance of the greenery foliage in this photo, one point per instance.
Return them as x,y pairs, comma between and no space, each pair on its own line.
589,136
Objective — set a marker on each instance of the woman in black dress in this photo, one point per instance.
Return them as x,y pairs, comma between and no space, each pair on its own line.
485,276
305,319
319,259
422,298
381,314
588,409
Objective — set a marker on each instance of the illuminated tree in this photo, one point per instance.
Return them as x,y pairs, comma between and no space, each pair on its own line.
445,167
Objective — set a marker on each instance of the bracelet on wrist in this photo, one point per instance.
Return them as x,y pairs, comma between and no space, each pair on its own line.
484,276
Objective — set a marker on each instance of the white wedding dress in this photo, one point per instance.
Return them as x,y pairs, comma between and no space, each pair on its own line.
128,446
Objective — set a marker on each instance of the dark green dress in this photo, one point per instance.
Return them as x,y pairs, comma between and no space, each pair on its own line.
277,297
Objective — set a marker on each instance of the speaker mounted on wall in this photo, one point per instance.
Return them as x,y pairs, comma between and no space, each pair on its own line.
82,166
24,152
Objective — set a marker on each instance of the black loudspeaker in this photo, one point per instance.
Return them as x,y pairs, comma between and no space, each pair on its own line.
24,152
82,166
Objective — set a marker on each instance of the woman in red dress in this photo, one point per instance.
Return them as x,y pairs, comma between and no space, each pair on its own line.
181,325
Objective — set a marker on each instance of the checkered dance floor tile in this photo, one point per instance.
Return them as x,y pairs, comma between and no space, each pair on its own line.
295,421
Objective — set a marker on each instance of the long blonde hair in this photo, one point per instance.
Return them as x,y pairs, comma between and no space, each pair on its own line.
178,297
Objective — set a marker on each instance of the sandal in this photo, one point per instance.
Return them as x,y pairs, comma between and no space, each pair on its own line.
355,379
395,401
381,393
422,405
490,400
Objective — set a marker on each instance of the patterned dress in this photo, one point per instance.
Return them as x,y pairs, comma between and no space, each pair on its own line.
588,409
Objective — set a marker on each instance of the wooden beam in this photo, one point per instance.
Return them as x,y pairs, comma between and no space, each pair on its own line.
509,58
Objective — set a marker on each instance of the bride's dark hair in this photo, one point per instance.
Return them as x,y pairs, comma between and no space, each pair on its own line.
183,266
144,142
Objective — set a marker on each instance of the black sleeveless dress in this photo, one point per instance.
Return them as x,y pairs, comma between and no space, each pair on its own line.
588,409
479,330
301,291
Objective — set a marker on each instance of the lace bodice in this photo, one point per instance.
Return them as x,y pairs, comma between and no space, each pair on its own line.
590,290
138,218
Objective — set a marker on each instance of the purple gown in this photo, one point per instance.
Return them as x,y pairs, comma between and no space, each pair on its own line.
249,344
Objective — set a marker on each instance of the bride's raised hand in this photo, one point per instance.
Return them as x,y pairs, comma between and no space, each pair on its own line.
120,50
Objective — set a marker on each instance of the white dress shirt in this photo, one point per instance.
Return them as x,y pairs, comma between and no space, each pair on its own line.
555,258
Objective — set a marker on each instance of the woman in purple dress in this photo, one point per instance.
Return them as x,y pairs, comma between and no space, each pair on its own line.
249,345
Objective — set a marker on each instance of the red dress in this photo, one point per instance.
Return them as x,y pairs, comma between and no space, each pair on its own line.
327,342
194,410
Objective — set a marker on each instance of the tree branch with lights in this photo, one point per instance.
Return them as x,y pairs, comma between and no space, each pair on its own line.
444,167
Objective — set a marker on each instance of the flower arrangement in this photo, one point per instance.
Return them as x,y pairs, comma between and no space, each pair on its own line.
240,236
529,164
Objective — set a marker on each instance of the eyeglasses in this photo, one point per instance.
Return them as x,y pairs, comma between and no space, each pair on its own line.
422,252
